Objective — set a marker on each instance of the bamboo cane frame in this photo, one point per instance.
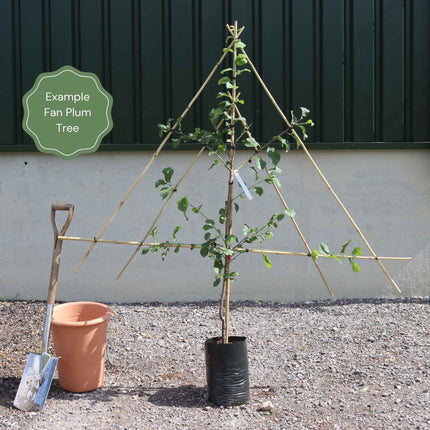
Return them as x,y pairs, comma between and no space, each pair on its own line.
157,152
284,203
192,246
161,212
324,179
166,203
235,33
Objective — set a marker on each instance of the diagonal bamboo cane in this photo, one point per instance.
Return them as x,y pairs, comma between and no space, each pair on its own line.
156,153
167,201
284,203
324,179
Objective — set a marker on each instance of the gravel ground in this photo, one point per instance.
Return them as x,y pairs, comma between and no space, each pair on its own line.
315,365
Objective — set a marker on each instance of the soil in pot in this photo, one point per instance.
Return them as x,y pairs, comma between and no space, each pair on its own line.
227,371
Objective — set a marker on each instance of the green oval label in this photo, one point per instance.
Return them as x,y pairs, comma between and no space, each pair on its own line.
67,112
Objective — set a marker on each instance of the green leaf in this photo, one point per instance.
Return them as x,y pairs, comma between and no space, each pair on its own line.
229,69
355,266
241,60
221,94
232,276
236,207
209,224
204,250
218,263
145,251
245,229
290,212
314,255
293,118
335,258
239,72
305,111
344,246
230,86
284,143
217,282
273,180
255,172
222,215
166,191
215,162
168,172
224,80
230,239
250,142
240,44
175,232
214,115
323,249
182,205
267,261
305,136
258,190
357,251
159,182
177,249
164,128
274,155
154,232
261,164
196,209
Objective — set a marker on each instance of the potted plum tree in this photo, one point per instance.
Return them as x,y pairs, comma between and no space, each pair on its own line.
226,355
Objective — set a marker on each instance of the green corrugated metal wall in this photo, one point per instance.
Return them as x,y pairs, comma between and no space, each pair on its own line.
361,66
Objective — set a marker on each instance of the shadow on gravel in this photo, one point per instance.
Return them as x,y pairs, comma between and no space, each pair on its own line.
188,396
8,388
102,394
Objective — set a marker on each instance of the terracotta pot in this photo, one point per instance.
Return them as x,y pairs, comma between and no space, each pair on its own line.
79,331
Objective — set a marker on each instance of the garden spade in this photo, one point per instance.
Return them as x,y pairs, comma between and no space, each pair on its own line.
39,371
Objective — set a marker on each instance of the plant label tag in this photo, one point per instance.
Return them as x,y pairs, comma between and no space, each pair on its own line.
243,185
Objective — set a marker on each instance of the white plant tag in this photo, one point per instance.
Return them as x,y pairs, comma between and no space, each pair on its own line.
242,184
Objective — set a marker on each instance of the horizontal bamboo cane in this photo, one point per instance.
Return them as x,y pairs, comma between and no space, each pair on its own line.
245,250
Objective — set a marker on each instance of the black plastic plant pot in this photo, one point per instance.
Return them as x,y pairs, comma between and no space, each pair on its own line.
227,371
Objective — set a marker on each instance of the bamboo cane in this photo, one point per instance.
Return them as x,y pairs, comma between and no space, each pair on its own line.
302,145
192,246
167,201
229,209
161,211
284,203
155,154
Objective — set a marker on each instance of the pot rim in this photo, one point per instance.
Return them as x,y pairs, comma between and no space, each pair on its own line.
234,338
108,313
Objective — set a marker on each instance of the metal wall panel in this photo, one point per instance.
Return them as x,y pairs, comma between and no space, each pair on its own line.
361,66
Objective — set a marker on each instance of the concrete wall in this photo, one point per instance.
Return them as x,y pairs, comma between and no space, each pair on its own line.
387,192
